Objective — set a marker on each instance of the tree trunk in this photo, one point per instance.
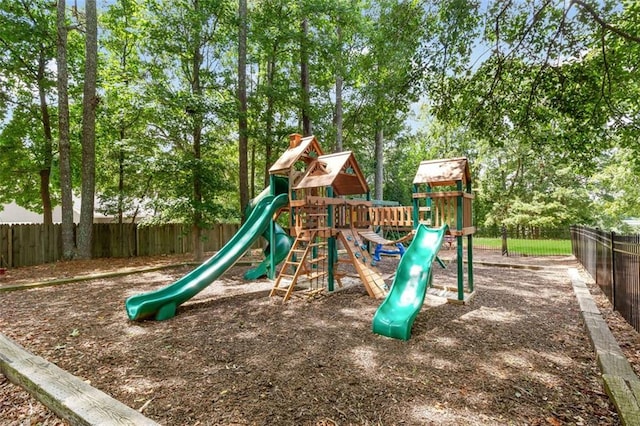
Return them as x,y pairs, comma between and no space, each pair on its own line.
45,170
121,158
304,80
243,140
379,163
64,146
89,104
269,119
339,83
196,91
253,170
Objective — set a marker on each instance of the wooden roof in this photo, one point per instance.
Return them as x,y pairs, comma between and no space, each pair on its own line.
443,172
339,170
306,149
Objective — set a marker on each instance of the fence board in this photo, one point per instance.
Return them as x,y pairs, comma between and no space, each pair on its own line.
5,249
34,244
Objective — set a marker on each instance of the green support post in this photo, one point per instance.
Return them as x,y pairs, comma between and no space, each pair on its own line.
331,245
459,240
470,247
470,260
416,207
272,237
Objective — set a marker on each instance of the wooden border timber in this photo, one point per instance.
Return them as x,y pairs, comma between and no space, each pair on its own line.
620,381
65,394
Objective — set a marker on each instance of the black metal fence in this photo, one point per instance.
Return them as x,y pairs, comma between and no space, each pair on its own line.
613,261
524,241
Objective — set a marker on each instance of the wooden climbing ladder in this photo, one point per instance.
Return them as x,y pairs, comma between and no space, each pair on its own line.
307,260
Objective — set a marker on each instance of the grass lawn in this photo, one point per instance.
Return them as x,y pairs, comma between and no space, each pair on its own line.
528,247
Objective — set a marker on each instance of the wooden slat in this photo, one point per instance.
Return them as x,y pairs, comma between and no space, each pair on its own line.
371,279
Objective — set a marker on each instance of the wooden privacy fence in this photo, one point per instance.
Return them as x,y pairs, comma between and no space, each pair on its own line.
28,245
613,261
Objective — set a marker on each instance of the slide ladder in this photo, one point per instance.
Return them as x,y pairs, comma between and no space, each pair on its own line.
358,257
307,260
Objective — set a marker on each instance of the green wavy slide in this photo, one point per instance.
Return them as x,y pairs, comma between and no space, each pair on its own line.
395,316
162,304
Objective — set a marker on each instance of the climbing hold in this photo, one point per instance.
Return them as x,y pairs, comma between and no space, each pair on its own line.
357,255
363,247
374,263
349,238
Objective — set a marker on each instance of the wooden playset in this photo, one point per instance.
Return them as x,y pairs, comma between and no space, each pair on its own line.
442,195
333,231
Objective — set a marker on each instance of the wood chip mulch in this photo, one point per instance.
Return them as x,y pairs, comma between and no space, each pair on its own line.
517,355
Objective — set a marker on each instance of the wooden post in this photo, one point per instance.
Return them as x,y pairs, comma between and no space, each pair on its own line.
10,247
429,205
416,206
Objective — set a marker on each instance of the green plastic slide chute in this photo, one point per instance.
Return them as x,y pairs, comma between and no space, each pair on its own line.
396,314
162,304
283,241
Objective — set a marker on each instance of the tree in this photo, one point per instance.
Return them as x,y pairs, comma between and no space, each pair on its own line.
305,88
28,39
243,136
274,100
186,43
89,104
387,66
127,156
64,143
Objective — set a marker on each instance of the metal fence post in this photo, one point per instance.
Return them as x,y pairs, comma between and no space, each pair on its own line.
613,270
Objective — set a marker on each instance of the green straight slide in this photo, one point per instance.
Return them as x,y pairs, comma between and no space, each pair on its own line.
396,314
161,304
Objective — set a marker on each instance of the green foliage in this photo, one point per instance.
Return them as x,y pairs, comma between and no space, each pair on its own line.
547,115
615,190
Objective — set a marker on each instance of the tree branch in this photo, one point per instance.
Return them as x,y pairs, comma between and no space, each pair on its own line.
604,24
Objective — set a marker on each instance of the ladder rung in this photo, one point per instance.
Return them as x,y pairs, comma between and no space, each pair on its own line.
286,276
317,259
316,275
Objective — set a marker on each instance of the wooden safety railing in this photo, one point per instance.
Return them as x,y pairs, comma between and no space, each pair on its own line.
399,217
444,210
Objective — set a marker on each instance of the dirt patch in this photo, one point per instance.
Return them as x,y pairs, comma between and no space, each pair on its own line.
517,355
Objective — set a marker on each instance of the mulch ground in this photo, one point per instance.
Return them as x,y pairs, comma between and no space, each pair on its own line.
518,354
